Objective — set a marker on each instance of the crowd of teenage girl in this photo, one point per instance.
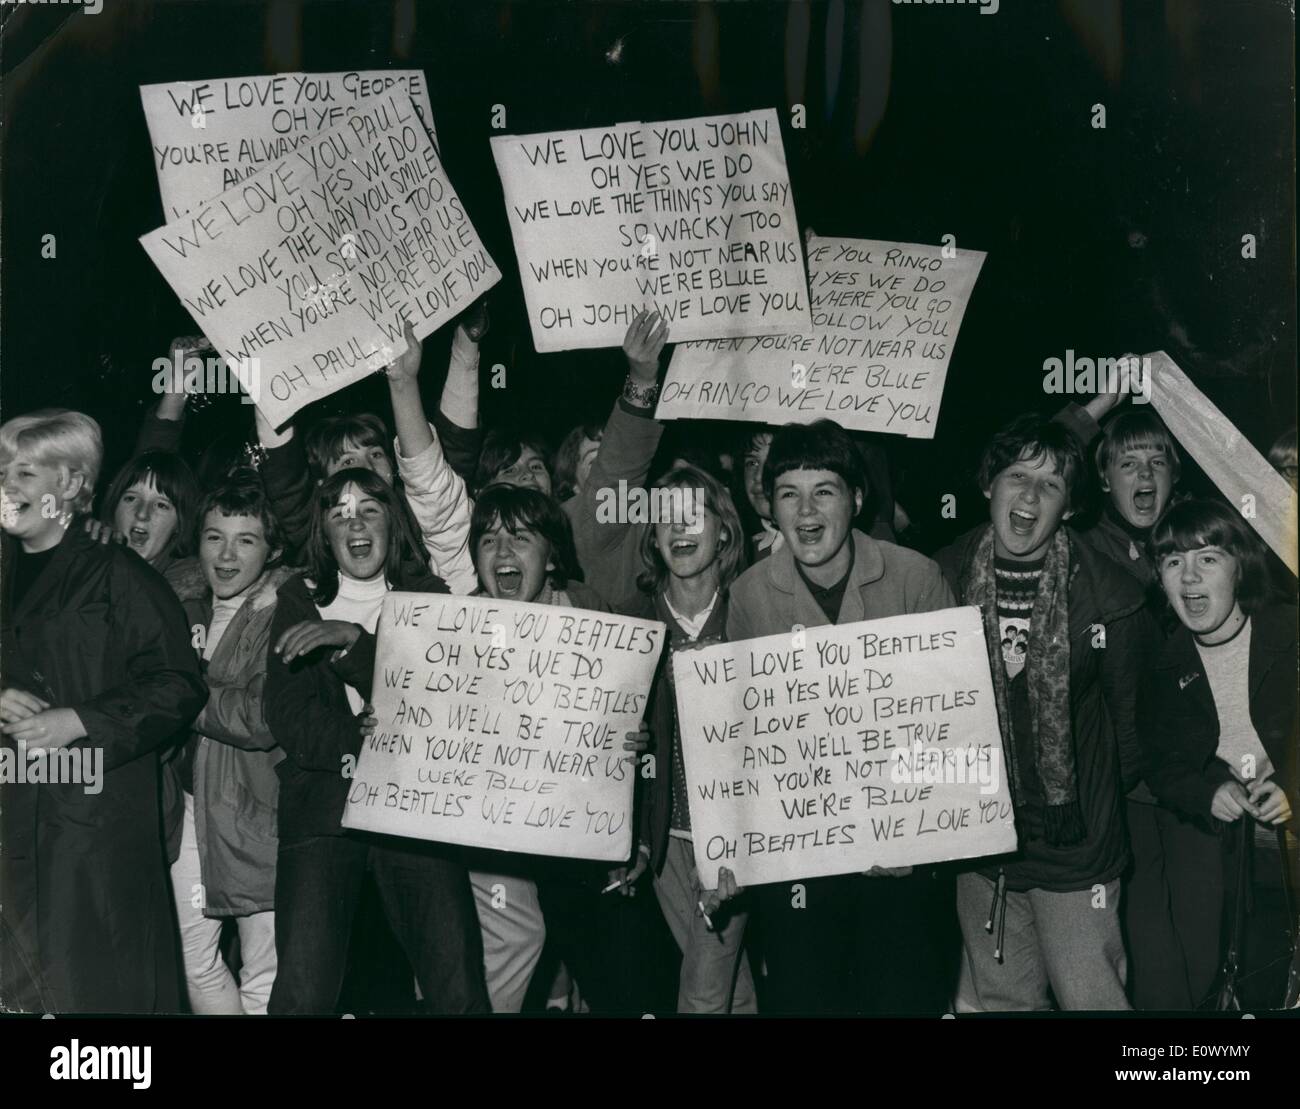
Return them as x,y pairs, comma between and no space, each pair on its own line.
216,641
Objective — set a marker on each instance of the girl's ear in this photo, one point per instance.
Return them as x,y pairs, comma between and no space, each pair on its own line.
73,483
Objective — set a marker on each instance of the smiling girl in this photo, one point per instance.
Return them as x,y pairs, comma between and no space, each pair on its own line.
96,658
523,551
319,671
691,559
227,847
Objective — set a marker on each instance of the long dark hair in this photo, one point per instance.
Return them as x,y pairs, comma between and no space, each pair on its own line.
406,554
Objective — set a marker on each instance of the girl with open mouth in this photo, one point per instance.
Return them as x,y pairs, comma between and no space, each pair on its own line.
361,544
691,559
225,787
150,505
1218,716
523,551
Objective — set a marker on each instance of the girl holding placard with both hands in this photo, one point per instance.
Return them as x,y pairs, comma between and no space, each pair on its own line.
319,672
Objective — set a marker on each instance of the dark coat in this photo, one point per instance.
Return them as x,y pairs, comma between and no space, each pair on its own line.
1103,694
1179,724
85,882
657,793
306,705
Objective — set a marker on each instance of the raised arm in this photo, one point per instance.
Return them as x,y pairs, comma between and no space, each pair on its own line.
435,492
627,448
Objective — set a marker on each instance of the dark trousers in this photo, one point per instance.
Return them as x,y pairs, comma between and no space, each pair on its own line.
852,945
617,948
1172,902
426,897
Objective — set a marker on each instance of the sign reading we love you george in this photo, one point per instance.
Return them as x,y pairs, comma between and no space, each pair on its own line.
207,136
303,275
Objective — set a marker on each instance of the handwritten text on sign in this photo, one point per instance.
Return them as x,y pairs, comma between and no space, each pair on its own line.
501,724
885,317
693,217
310,266
843,748
207,136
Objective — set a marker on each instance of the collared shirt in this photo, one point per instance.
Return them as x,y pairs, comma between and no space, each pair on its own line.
693,625
830,598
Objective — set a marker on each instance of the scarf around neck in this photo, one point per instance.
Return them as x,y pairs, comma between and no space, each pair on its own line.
1047,669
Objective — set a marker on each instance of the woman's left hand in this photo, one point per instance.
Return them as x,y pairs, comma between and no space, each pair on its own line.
310,635
51,729
368,721
1271,801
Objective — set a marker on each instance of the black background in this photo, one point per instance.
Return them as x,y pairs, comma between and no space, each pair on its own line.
921,121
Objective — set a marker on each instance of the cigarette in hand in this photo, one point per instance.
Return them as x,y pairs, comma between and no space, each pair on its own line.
613,885
708,923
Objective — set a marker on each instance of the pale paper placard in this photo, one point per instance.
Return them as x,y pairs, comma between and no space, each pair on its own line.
501,725
693,218
1243,475
792,745
302,275
885,318
207,136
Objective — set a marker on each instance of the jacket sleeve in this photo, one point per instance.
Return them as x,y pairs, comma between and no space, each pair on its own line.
440,504
1173,775
158,435
461,445
1130,642
1079,423
235,715
738,624
288,487
934,593
164,689
626,450
313,733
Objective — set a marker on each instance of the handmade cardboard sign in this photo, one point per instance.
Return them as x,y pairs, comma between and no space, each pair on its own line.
885,318
1264,497
691,217
501,724
835,749
208,136
302,275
